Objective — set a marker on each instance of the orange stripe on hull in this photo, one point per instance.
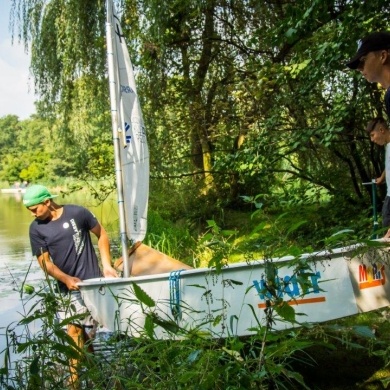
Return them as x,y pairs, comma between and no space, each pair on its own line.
374,283
298,301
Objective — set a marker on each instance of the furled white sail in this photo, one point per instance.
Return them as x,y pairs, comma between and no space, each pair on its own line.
132,143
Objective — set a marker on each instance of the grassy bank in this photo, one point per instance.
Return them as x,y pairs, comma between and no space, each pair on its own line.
349,353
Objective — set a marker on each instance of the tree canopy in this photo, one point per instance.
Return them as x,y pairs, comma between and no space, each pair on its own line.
240,98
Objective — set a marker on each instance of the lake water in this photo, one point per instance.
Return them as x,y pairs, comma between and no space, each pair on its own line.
18,266
15,254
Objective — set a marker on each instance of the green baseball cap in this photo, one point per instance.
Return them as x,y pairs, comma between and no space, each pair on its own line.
36,194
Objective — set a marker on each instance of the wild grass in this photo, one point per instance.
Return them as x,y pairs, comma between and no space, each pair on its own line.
267,359
355,349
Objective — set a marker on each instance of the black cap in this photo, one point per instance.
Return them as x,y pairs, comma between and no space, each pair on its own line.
373,42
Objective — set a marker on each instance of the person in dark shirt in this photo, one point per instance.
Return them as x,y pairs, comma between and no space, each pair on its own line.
372,59
60,239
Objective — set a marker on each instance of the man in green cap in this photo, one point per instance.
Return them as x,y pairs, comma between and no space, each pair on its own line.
60,238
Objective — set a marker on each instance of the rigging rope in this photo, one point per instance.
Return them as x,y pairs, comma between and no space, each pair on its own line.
174,294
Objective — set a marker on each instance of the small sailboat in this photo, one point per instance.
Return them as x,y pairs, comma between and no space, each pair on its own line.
172,302
233,302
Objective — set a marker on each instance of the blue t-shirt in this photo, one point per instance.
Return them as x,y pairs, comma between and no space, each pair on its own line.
68,242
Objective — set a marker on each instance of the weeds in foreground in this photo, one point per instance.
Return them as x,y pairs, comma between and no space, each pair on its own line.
186,358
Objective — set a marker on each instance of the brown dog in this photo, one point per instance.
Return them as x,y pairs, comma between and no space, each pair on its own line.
145,260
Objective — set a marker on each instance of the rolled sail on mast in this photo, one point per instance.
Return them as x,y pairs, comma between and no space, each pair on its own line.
130,142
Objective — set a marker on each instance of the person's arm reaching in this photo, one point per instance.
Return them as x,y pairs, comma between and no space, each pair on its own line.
104,249
381,179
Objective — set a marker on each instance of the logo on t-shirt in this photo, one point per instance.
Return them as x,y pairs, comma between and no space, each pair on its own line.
77,238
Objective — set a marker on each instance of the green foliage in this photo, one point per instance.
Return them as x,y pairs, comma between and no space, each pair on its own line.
169,237
242,98
43,354
239,100
9,128
35,150
194,362
267,359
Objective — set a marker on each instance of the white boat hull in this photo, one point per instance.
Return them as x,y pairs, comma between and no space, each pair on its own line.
233,301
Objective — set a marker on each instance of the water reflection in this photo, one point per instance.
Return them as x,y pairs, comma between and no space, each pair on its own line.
15,253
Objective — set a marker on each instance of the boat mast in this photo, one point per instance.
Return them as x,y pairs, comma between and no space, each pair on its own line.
115,135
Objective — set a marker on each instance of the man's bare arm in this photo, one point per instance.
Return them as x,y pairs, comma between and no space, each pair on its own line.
104,249
51,269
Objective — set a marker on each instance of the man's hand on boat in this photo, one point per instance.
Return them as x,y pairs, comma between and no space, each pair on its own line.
72,282
110,272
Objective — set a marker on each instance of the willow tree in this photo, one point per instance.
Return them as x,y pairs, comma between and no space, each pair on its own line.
317,109
244,96
68,62
260,90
